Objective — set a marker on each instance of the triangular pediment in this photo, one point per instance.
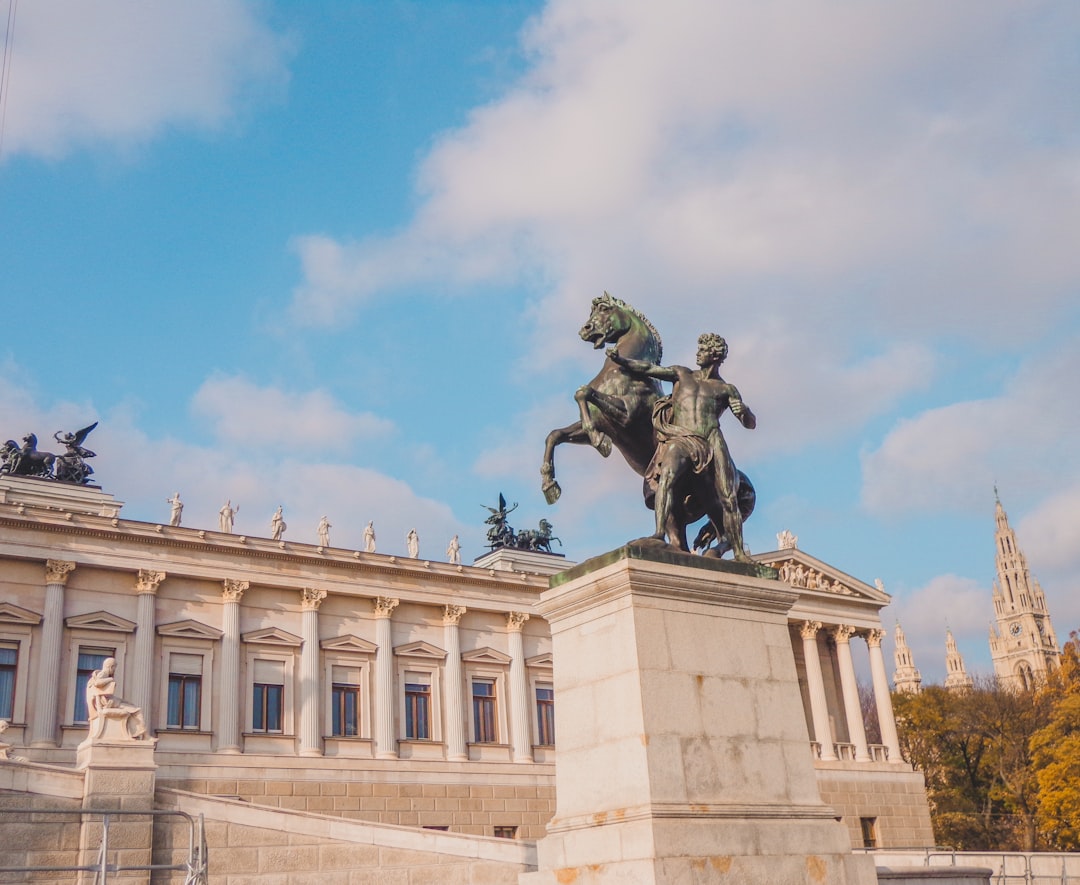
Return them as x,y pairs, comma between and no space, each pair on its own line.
14,614
349,643
272,636
543,661
100,621
189,629
486,656
809,574
420,650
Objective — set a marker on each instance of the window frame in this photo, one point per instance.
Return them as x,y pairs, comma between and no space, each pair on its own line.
541,673
267,693
82,637
420,657
197,679
79,698
539,685
498,676
277,651
352,652
7,704
428,719
187,638
485,710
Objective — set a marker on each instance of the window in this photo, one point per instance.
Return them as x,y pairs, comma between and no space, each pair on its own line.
483,698
545,714
267,697
505,832
9,657
417,706
185,691
345,700
868,825
90,659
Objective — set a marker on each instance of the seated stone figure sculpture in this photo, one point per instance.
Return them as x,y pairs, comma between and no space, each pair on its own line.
101,696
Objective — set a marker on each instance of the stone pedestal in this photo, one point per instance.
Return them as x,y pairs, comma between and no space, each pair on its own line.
120,774
683,755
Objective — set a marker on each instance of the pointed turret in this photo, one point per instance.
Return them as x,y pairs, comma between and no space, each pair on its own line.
906,678
957,678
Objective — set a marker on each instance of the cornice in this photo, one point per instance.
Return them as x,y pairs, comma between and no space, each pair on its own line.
124,539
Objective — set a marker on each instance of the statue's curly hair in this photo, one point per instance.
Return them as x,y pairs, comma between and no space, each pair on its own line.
715,345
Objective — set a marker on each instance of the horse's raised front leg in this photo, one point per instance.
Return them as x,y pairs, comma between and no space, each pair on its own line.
571,434
611,407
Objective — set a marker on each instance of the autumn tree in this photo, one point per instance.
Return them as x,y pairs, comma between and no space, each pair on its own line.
974,749
1056,755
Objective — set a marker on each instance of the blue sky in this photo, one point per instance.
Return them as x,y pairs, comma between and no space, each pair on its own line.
334,256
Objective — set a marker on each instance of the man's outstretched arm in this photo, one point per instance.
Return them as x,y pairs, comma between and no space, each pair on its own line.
640,367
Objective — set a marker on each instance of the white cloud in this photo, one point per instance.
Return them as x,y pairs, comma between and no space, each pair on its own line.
836,164
258,418
948,457
946,602
142,471
122,72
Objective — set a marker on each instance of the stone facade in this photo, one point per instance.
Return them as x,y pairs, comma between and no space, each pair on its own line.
366,687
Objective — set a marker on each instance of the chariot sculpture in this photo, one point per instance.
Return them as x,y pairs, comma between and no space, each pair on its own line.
69,466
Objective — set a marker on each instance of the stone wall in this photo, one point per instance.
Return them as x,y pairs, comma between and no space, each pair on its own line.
895,799
471,809
264,846
38,840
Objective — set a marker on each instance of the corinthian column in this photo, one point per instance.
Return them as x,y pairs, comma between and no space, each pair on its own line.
882,699
455,703
310,600
385,744
819,705
519,689
850,688
142,664
229,711
52,639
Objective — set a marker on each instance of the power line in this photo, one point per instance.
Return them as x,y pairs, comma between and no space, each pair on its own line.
5,67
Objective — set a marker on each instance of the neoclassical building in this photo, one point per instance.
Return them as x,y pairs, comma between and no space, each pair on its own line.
367,686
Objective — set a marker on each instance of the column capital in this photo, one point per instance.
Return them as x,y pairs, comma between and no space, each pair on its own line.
843,632
57,571
809,629
874,637
452,615
233,589
311,598
515,621
148,581
385,605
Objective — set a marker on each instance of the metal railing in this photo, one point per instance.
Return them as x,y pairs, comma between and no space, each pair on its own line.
194,867
1010,868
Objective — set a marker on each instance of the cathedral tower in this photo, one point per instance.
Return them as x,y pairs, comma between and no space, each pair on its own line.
1022,642
957,678
905,678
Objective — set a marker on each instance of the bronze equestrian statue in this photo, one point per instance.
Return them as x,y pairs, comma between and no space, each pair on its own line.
616,411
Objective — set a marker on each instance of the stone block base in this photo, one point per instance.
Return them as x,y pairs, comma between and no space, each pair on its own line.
792,849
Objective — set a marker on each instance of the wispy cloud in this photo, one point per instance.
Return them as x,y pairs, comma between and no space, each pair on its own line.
120,73
260,418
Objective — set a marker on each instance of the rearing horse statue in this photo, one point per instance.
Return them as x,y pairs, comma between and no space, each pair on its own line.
616,407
